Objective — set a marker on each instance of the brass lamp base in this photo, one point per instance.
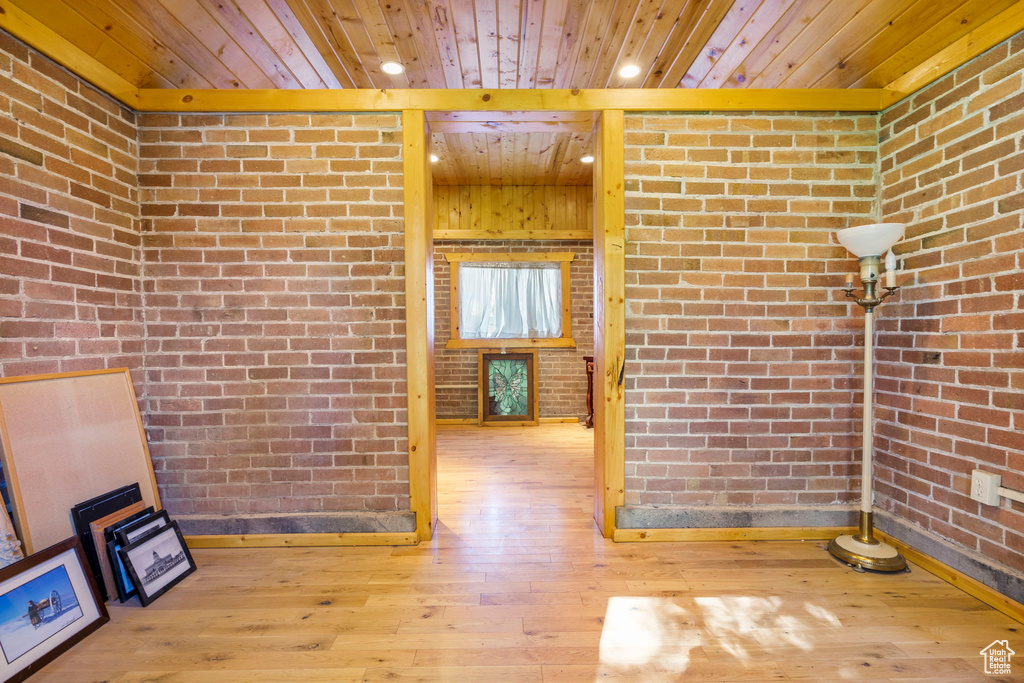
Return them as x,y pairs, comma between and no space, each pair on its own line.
865,551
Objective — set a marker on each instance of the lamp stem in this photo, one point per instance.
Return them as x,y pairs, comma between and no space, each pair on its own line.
866,532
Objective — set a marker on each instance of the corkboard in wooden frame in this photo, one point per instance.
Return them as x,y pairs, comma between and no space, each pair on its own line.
66,438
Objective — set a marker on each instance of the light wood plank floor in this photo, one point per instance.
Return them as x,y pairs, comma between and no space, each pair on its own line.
518,587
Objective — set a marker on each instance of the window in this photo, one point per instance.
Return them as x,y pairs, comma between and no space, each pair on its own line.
510,300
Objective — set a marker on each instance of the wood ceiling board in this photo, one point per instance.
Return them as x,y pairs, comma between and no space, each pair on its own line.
1007,23
163,28
659,31
858,33
717,71
792,23
947,31
721,41
98,44
291,23
419,62
552,48
198,21
915,19
511,158
604,72
249,40
683,48
508,43
44,39
122,28
314,18
486,18
837,14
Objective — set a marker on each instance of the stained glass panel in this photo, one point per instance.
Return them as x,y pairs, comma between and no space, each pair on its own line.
508,381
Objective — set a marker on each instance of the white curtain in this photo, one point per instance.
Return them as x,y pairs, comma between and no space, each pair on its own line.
510,300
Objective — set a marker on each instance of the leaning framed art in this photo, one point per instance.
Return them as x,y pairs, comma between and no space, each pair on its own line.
157,561
48,602
507,388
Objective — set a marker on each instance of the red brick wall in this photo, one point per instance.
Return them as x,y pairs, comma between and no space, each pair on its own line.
951,371
70,257
741,353
275,345
563,378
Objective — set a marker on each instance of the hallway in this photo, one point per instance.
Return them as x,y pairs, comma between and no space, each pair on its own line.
518,587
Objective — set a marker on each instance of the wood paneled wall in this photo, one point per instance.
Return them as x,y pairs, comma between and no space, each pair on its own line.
500,209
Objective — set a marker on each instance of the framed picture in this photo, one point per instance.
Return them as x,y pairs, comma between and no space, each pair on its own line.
507,390
122,537
100,531
157,561
140,527
95,508
48,602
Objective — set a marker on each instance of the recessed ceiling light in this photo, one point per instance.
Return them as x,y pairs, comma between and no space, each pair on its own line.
587,159
629,71
393,68
434,158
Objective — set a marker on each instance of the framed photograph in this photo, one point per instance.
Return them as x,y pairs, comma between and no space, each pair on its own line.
140,527
157,561
122,537
108,534
48,602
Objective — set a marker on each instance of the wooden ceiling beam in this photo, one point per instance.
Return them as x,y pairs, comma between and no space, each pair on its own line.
639,99
512,126
24,27
994,31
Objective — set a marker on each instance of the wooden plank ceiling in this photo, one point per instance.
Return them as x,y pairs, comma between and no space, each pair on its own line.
287,44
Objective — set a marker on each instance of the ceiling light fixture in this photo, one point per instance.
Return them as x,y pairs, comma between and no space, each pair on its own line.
393,68
587,159
629,71
434,158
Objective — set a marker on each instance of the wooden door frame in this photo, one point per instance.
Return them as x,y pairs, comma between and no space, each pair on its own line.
609,320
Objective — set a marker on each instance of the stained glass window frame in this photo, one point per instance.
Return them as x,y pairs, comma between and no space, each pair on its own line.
485,416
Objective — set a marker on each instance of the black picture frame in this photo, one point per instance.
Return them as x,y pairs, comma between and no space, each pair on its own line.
123,536
97,508
138,528
60,575
108,533
151,578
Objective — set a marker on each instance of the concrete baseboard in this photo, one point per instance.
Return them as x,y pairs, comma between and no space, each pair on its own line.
707,517
302,523
996,576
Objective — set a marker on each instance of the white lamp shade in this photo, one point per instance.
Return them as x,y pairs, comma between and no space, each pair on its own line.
871,240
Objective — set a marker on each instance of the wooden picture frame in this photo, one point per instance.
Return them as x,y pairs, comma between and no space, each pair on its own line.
487,415
123,536
455,339
98,531
83,514
64,602
157,562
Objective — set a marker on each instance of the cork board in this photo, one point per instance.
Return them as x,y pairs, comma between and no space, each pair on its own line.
67,438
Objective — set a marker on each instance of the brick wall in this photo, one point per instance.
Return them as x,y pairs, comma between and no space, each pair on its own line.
275,323
951,370
741,352
70,257
563,379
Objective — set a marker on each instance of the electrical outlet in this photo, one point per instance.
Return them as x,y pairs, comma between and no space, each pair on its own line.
985,487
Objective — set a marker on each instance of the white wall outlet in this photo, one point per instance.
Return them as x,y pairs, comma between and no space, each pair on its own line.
985,487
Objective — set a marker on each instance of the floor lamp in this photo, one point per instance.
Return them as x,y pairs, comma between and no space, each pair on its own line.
868,242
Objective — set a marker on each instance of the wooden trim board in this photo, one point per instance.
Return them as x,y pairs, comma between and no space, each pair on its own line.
300,540
609,319
452,421
779,533
426,99
513,235
973,587
419,323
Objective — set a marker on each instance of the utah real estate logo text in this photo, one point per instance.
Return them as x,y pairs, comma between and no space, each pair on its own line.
997,657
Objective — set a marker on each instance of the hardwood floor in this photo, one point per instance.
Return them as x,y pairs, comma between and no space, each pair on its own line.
518,587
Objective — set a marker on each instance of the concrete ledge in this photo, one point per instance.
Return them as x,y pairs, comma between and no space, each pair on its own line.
996,576
302,523
710,517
